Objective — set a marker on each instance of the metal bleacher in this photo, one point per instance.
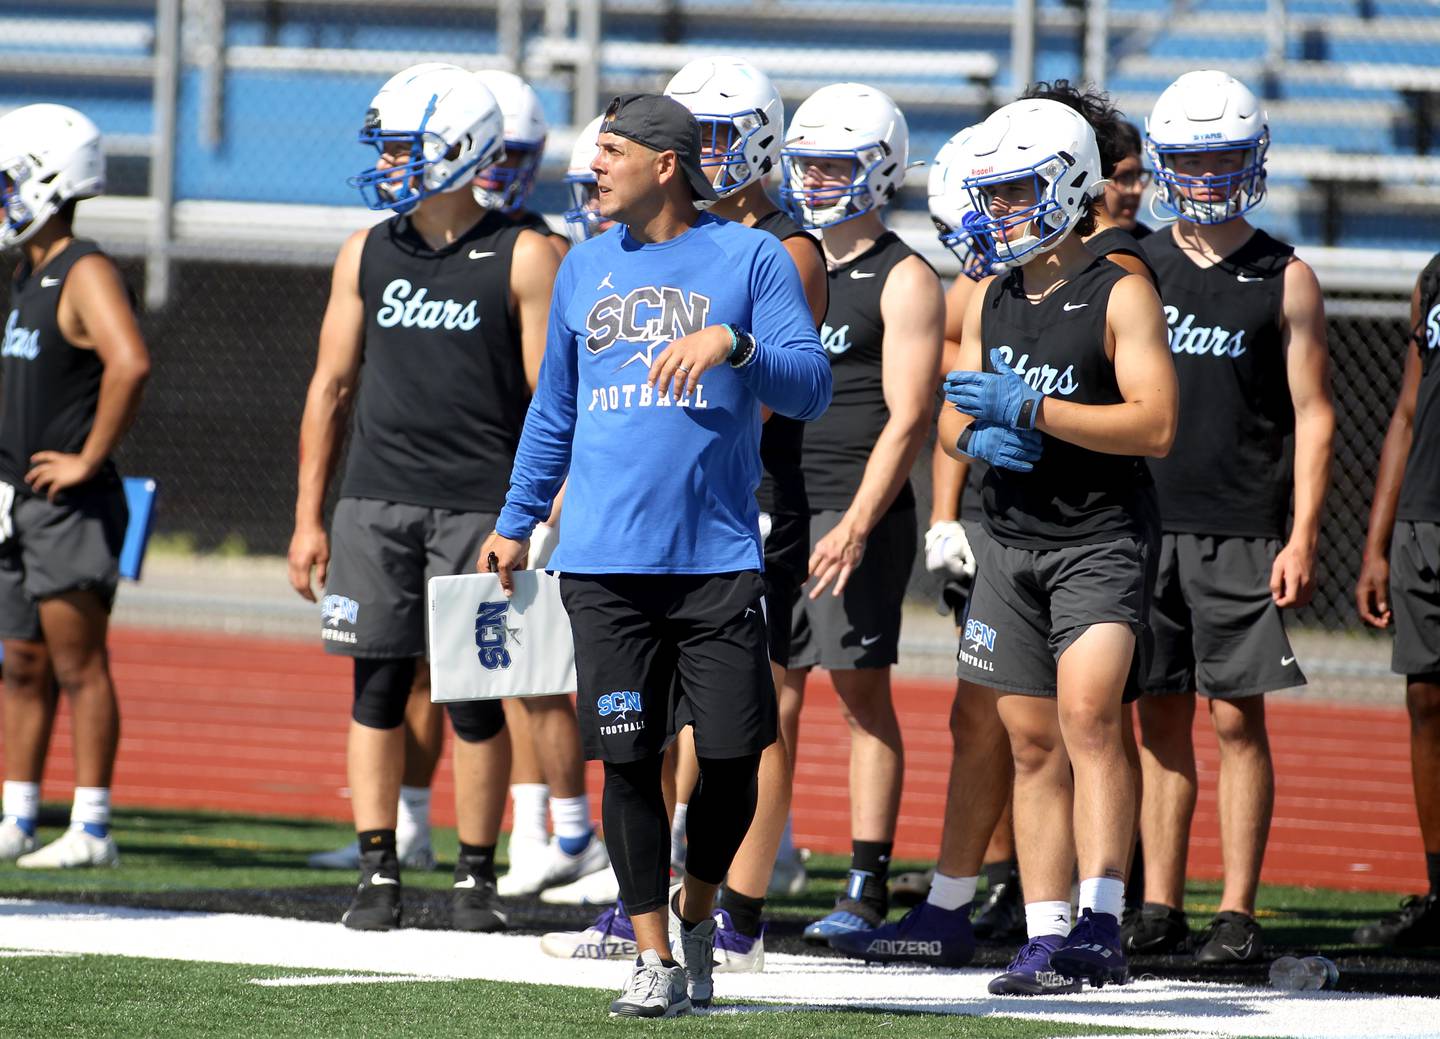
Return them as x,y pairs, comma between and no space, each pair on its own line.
264,95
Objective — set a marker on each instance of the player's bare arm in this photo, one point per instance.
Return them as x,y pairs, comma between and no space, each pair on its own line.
1144,424
1131,263
327,403
812,275
913,308
1372,589
947,474
95,314
1307,369
967,359
532,282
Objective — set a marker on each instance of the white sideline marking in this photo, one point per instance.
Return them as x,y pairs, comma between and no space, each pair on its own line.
343,979
1186,1008
32,953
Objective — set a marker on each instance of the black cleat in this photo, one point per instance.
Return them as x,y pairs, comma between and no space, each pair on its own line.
1415,925
1154,930
474,905
1231,938
1001,917
376,905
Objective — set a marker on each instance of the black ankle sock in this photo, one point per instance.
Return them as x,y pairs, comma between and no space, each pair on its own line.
479,859
1432,867
376,840
745,912
999,873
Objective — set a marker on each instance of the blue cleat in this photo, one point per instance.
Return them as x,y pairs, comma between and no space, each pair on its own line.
611,937
926,934
1031,972
852,913
1092,952
737,953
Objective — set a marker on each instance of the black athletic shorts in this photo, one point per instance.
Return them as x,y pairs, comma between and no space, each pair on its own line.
1415,598
1217,630
787,564
655,652
50,548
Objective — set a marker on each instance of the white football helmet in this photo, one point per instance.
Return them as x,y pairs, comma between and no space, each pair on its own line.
953,212
433,108
1054,147
507,187
741,117
844,121
1207,111
582,219
49,154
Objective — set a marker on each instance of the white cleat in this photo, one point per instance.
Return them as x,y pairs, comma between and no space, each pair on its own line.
14,841
418,856
611,937
594,889
529,864
73,850
558,870
789,876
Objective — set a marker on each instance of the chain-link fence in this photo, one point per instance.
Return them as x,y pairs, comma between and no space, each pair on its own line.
230,133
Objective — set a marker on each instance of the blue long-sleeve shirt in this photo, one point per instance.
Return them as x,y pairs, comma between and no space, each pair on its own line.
659,485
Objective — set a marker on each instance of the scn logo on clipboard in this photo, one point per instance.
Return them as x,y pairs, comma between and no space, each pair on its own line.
492,633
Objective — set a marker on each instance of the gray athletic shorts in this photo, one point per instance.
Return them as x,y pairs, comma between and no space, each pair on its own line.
1029,605
1415,598
382,553
861,627
1216,629
47,549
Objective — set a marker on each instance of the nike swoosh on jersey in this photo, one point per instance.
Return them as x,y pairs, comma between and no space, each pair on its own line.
861,274
1075,306
870,640
476,254
1241,277
380,880
1286,661
49,283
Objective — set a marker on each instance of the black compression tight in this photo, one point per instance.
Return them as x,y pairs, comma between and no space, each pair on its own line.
637,832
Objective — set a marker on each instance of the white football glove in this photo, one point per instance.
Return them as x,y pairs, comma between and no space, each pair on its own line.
765,524
947,548
543,540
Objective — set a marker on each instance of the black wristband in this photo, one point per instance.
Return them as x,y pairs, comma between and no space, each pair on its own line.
963,443
745,347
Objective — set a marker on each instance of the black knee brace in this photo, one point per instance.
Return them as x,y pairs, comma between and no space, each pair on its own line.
719,815
476,721
382,686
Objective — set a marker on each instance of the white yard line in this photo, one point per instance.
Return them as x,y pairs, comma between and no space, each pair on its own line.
1188,1008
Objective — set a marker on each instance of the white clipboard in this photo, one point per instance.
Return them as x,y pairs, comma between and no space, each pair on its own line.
484,646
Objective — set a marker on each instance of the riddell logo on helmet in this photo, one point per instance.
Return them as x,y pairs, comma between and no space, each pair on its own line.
981,173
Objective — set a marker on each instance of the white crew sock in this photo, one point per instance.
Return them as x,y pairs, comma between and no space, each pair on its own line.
1046,918
22,800
412,821
677,833
951,892
1103,895
570,818
91,809
528,821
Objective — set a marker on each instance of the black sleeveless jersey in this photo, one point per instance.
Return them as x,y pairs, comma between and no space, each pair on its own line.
1073,496
1420,491
838,443
1115,240
1228,472
442,393
50,387
533,221
782,439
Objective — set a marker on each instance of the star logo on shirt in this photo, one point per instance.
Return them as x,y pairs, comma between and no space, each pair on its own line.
646,355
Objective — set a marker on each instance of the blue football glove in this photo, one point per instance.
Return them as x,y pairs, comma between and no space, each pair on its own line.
1000,396
1014,449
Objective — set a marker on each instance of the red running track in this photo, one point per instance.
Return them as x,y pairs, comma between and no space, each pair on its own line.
258,725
